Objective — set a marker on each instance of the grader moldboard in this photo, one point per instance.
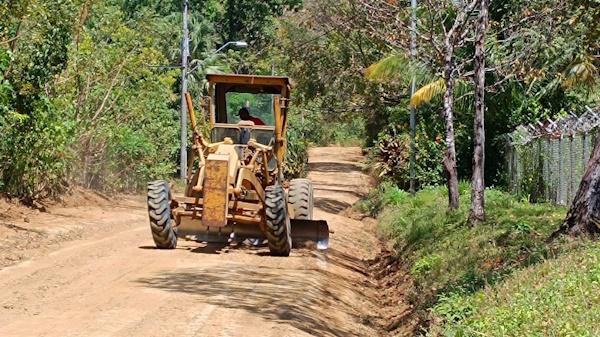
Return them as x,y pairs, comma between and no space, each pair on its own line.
235,185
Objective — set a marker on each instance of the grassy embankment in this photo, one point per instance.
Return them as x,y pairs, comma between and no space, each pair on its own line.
500,278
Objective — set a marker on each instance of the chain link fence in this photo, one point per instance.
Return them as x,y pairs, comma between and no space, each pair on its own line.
546,160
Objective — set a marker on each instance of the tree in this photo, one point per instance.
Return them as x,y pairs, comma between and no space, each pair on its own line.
250,19
477,182
34,39
121,109
442,34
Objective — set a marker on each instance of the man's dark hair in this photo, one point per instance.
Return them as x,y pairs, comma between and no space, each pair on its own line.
243,112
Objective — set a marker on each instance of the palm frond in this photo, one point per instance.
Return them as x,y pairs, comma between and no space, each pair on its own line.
464,93
393,67
427,92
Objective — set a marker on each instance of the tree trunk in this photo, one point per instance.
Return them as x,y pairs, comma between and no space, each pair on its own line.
583,218
450,157
477,180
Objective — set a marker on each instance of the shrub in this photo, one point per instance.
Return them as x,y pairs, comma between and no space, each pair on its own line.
34,151
296,159
392,151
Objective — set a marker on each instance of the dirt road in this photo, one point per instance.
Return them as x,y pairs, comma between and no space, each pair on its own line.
107,280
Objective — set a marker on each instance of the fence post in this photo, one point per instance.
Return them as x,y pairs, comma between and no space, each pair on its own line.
513,166
571,178
547,174
560,168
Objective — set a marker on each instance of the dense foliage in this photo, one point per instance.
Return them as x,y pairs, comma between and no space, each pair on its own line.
83,98
35,135
542,61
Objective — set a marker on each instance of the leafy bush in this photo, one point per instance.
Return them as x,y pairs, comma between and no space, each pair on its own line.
87,110
392,153
34,151
126,132
34,147
296,159
425,264
391,156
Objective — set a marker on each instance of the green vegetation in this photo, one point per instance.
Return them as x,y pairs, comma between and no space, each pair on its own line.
446,254
500,278
329,46
555,298
82,99
297,148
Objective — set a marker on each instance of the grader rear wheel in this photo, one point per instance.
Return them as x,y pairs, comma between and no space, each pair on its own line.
278,222
159,212
300,199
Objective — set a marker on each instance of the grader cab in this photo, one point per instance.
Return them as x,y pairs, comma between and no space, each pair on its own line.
235,186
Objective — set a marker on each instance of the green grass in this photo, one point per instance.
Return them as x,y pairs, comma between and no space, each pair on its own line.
446,254
499,278
559,297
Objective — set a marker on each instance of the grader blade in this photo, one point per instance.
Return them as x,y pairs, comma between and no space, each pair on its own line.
304,231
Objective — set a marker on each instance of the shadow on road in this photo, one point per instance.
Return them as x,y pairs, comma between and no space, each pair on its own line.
303,298
334,167
331,205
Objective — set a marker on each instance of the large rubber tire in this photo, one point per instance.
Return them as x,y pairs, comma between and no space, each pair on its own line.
300,199
278,222
159,212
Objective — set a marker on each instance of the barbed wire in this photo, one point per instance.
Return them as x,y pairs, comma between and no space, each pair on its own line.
566,126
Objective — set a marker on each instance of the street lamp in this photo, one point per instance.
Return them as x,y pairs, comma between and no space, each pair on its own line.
239,44
197,63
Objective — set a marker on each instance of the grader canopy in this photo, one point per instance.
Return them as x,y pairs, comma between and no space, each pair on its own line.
235,186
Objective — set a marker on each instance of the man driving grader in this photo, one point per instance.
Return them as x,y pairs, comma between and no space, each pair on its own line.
235,185
245,116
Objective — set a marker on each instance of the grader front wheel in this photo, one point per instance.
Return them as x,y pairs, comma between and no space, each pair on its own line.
159,212
278,222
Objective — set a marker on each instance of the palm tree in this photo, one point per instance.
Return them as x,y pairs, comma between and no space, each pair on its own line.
398,68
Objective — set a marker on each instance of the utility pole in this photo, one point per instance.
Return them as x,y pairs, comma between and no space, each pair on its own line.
413,126
185,53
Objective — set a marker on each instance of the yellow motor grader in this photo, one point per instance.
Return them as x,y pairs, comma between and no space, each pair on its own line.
235,185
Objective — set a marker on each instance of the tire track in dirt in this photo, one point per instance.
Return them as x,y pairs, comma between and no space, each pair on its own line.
112,283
